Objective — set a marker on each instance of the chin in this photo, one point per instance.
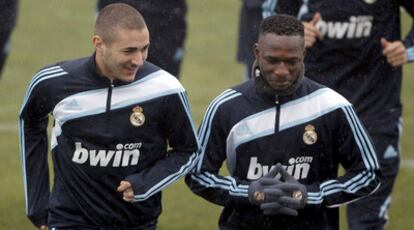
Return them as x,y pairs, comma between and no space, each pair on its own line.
129,78
126,78
280,88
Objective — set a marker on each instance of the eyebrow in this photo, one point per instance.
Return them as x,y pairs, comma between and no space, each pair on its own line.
135,48
277,58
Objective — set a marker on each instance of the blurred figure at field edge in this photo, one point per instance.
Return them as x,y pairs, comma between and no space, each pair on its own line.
8,18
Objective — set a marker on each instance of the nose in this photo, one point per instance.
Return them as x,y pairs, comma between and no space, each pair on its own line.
138,59
281,69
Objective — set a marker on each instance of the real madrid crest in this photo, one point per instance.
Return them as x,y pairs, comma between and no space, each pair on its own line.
309,136
137,117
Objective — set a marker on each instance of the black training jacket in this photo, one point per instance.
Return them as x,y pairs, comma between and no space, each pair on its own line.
104,132
310,132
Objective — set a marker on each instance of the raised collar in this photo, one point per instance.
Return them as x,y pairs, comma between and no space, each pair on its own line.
92,69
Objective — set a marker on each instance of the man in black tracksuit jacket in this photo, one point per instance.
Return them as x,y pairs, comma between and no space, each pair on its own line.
114,117
356,48
282,117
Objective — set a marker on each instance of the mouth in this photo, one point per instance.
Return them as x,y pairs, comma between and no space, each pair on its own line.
280,84
131,70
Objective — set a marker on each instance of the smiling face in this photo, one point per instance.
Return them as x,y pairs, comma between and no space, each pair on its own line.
120,58
280,59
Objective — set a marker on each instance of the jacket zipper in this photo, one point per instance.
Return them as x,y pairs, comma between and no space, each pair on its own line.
108,99
277,103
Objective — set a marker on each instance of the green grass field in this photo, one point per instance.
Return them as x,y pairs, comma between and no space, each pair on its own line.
53,30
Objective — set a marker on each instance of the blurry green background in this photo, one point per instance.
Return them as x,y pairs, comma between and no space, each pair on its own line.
52,30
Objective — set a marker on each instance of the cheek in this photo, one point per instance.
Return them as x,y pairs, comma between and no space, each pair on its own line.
145,55
295,68
108,60
267,67
116,63
121,60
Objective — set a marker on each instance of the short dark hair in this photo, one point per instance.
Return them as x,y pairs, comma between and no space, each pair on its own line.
282,24
117,16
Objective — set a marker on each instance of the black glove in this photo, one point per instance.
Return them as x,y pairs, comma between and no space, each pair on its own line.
289,185
278,202
292,186
279,199
256,188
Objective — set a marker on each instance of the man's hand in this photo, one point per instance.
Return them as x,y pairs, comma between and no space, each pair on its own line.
42,227
395,52
256,195
293,188
311,32
278,197
272,200
127,191
279,202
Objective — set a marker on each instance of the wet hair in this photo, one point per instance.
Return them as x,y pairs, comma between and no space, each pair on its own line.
281,24
117,16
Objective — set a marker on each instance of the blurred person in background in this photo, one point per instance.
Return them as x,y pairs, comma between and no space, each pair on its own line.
115,142
8,18
355,48
166,22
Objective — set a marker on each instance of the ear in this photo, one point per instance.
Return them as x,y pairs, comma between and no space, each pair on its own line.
98,43
256,50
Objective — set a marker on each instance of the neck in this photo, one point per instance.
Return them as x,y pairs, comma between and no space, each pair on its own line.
101,68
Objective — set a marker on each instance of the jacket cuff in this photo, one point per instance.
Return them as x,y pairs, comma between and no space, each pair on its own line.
39,220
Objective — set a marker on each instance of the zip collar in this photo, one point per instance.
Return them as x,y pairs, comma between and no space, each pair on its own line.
92,69
273,97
